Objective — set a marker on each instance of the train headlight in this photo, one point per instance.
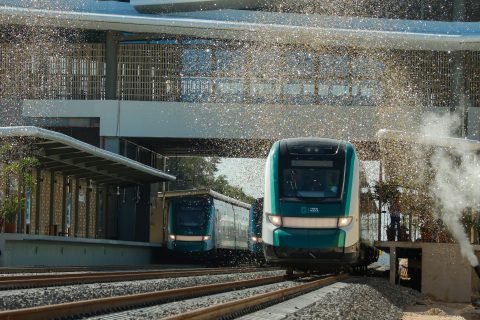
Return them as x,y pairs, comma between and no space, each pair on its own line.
256,239
205,238
344,221
275,220
171,236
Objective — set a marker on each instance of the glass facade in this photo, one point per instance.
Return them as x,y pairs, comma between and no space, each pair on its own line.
197,70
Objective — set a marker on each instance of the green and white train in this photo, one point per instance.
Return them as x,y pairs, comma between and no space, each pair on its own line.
311,217
206,224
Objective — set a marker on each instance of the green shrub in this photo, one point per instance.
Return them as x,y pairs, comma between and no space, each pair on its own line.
9,208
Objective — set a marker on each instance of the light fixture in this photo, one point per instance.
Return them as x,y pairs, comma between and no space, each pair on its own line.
275,220
256,239
344,221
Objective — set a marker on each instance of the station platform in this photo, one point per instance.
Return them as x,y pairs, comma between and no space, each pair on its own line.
438,270
40,250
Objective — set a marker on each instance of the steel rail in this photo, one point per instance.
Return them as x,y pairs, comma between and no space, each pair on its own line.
33,281
223,310
95,306
46,269
66,274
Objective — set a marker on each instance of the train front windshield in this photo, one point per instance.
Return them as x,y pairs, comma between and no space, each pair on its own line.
191,214
319,179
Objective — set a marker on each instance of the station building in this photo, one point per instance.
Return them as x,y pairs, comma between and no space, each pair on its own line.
148,79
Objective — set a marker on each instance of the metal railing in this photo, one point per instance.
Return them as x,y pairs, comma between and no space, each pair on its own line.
206,71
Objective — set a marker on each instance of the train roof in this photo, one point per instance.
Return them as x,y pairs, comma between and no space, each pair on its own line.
321,145
203,192
314,140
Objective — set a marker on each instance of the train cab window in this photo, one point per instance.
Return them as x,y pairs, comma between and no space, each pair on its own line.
190,218
191,213
312,179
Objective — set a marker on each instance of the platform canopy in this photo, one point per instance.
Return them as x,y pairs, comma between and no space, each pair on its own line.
71,157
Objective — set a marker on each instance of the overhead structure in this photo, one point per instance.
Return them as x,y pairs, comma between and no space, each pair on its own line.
71,157
161,6
406,156
248,25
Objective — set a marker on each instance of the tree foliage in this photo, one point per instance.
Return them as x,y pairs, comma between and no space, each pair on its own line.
386,191
199,173
16,163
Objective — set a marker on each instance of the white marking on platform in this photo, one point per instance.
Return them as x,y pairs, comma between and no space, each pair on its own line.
282,309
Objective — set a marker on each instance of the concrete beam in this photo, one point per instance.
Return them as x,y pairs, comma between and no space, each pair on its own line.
150,119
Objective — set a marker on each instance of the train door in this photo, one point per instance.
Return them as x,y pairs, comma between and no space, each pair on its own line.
224,232
241,227
218,224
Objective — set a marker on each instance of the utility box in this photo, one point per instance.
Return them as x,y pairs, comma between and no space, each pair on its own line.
445,274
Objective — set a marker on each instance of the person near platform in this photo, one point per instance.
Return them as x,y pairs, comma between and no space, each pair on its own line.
394,210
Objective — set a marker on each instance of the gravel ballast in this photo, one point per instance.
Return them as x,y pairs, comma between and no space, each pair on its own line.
181,307
360,298
364,298
24,298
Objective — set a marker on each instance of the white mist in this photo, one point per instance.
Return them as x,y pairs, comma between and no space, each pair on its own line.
456,183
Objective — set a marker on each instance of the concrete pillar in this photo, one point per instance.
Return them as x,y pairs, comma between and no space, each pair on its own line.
142,213
87,211
51,212
38,196
76,210
393,265
380,204
101,206
111,58
111,204
126,212
459,10
64,205
460,101
111,144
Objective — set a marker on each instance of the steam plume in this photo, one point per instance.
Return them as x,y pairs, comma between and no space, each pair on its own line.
456,183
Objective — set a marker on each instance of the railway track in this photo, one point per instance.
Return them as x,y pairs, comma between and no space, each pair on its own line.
95,306
35,281
46,269
242,306
113,304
